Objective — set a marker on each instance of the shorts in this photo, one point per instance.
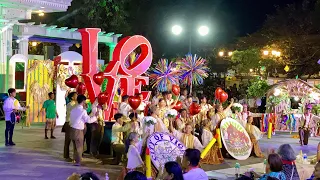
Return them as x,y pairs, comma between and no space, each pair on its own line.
51,123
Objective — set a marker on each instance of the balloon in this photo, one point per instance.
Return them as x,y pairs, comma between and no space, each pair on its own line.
134,102
194,109
103,98
98,78
81,88
217,93
223,96
175,90
72,81
178,105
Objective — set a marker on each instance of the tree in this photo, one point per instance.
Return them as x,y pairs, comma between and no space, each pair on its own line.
293,31
243,61
257,88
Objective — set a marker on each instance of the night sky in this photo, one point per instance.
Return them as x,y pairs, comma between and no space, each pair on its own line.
227,20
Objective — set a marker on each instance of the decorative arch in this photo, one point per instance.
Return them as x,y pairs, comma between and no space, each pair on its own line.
279,95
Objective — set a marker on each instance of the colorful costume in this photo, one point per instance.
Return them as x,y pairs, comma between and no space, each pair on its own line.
214,156
254,134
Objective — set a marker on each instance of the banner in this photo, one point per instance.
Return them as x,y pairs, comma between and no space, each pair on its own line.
164,148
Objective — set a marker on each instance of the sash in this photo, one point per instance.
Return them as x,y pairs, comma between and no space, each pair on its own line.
190,138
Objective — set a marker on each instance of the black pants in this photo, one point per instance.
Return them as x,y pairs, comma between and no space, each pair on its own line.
87,136
97,132
9,131
67,140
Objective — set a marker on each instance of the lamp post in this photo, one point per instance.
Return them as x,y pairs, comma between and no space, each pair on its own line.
202,30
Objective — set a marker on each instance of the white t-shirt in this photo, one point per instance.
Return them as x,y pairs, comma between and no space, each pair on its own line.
124,109
134,156
196,173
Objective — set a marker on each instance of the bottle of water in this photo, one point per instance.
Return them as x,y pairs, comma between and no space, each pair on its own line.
107,176
237,169
305,158
264,166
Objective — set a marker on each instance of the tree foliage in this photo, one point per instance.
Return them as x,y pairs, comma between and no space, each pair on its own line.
243,61
257,88
294,31
109,15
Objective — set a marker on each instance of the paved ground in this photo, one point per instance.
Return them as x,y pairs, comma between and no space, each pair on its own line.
34,158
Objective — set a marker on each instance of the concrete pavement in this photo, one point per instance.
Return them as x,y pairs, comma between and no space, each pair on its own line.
34,158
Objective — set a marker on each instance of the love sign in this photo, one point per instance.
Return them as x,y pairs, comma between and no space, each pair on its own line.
130,78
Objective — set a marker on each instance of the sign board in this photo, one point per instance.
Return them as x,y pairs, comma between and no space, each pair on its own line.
235,139
164,148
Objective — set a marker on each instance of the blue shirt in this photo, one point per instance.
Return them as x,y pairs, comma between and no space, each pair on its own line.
279,175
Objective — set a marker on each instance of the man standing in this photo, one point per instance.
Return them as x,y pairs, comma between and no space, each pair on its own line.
78,117
124,107
49,106
11,105
67,140
117,138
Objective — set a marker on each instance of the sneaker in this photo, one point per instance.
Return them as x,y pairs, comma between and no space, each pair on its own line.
7,144
46,137
12,144
52,137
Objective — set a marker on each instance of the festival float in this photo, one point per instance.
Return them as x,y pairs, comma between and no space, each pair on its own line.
285,104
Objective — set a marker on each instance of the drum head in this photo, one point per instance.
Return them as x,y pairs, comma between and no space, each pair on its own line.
235,139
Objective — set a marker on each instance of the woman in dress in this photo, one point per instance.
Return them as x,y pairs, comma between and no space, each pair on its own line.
254,134
182,120
236,113
187,138
159,126
204,108
214,155
162,110
220,115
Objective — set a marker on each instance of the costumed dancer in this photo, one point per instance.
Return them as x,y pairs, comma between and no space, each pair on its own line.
135,124
205,107
306,124
162,110
255,135
182,120
236,113
222,113
159,126
245,114
141,108
219,117
214,155
189,140
187,103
